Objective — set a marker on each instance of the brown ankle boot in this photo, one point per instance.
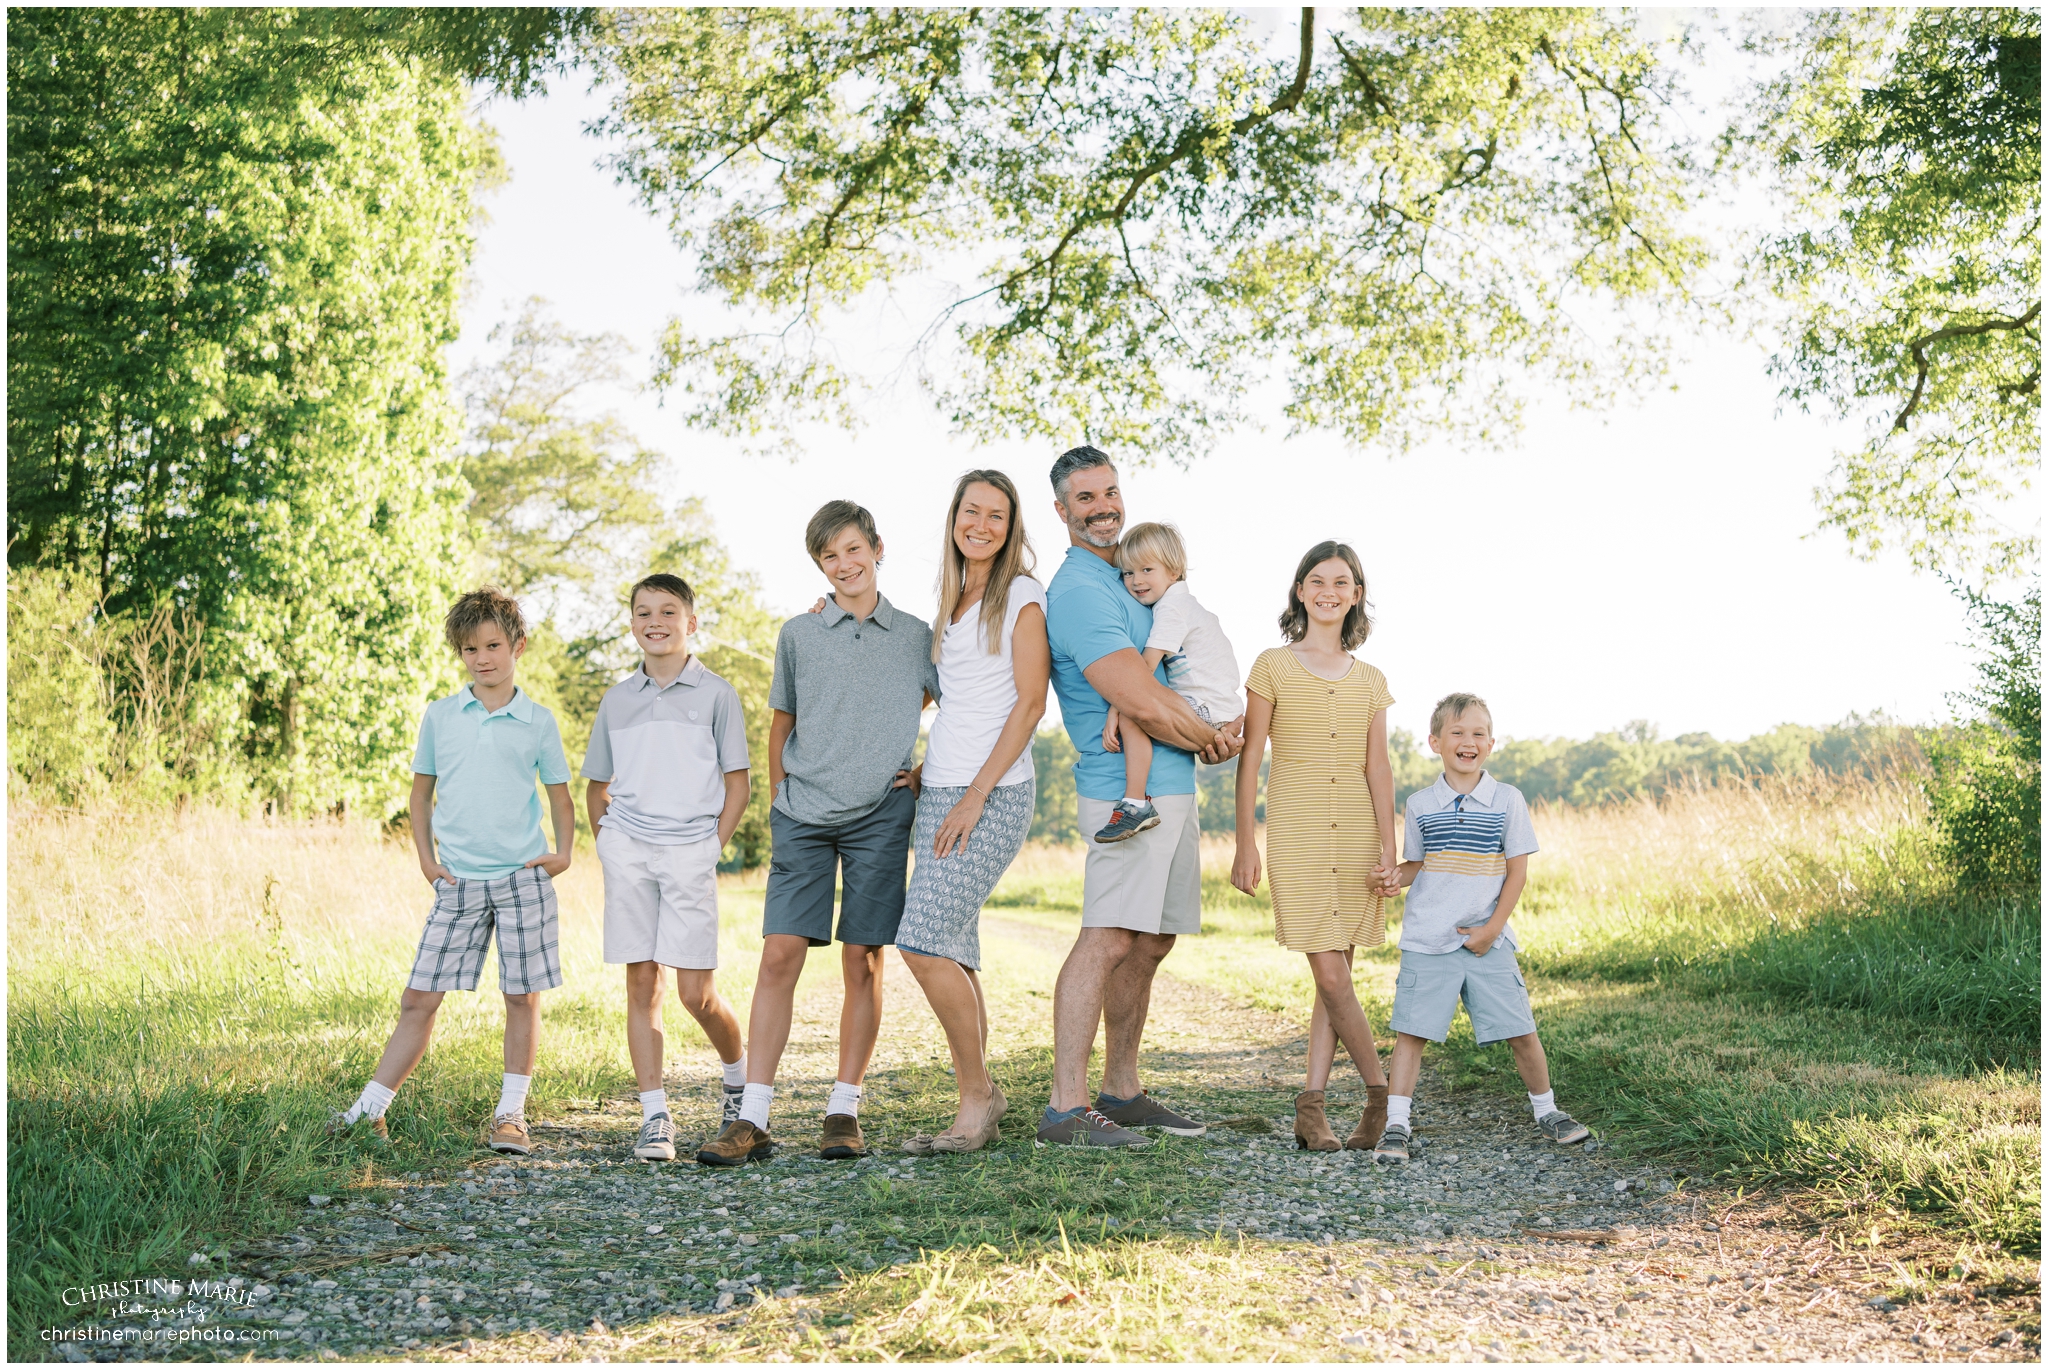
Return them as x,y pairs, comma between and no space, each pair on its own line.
1366,1135
1311,1125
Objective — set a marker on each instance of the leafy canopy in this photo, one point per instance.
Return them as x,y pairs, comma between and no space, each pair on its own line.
1908,142
1393,216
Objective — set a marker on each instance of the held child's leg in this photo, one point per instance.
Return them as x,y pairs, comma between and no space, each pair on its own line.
1137,759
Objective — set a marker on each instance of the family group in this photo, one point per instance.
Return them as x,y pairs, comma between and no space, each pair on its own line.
1147,683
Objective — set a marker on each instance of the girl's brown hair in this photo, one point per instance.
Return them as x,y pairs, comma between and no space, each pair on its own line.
1012,559
1294,618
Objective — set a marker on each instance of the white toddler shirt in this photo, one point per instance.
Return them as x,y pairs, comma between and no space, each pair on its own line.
1200,667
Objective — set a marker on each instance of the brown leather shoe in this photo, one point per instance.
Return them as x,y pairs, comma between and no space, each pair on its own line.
1311,1124
509,1135
841,1139
1366,1135
739,1143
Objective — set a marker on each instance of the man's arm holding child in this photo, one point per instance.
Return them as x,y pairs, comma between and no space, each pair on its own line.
1123,680
1480,940
562,808
422,813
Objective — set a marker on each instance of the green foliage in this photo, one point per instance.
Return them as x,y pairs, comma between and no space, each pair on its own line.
235,248
1635,761
1985,777
1394,218
60,734
1909,143
1054,817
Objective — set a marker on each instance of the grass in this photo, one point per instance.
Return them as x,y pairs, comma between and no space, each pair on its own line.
1779,980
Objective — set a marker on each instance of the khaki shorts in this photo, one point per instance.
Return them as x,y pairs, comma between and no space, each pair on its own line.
1148,883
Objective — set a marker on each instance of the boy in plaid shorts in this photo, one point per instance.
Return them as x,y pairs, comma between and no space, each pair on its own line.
481,748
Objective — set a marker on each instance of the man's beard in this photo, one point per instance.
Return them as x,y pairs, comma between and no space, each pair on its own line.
1095,539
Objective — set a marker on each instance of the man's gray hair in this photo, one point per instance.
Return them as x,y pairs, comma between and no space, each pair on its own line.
1075,459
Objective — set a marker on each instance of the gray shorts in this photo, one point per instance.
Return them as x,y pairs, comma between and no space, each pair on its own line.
868,858
520,906
1427,990
1148,883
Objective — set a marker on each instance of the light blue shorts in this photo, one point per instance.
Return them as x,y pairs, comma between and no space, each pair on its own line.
1427,991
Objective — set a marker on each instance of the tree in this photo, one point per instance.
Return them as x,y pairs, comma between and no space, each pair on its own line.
1908,144
1985,777
1395,218
565,509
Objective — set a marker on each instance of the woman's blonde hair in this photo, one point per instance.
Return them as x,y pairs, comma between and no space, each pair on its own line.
1158,543
1012,559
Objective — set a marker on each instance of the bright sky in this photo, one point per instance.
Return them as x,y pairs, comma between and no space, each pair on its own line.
1657,561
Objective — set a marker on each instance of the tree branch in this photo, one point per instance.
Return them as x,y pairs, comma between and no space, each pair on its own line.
1920,345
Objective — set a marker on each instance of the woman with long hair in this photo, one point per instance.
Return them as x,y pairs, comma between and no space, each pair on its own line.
978,786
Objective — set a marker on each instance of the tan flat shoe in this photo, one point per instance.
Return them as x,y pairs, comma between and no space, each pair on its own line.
919,1145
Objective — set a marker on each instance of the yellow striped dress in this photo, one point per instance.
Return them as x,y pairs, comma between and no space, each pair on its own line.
1322,837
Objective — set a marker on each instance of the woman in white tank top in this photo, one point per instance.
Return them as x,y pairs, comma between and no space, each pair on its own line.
978,789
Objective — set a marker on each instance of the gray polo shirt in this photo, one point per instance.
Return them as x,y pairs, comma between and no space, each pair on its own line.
856,688
666,750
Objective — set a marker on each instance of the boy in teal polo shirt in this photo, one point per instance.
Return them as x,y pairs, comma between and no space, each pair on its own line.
476,825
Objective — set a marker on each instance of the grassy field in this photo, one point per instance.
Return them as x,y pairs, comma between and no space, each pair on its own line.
1778,983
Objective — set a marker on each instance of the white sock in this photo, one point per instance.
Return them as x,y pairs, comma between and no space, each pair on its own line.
845,1099
754,1108
512,1098
1397,1108
653,1101
735,1071
1544,1103
375,1099
1134,799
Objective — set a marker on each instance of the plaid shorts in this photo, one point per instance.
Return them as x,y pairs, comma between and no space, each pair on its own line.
521,906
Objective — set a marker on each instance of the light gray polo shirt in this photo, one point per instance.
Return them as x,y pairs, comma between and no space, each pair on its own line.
665,750
856,687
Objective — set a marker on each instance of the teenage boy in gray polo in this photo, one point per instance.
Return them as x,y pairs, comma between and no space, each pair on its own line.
1467,844
849,685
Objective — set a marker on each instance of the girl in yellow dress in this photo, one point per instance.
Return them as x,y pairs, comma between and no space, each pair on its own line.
1329,817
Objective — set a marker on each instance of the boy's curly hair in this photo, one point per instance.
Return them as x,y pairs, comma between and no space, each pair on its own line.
479,607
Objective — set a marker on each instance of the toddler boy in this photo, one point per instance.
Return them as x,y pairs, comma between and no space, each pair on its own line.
1200,667
849,685
1467,840
667,766
476,826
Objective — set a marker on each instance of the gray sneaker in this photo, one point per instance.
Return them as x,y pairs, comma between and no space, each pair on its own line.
1393,1147
1146,1111
1127,820
730,1105
1088,1128
1561,1128
657,1140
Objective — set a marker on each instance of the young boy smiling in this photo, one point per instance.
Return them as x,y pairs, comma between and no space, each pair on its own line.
1468,841
667,767
476,826
849,685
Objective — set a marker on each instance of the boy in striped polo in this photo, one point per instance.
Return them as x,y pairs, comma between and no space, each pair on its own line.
1468,840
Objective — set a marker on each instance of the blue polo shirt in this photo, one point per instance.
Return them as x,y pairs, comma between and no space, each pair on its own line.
1088,615
486,809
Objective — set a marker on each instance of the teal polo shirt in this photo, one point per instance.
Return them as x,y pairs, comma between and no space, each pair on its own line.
486,808
1088,615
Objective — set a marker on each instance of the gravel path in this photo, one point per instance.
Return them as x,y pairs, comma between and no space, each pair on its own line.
1492,1245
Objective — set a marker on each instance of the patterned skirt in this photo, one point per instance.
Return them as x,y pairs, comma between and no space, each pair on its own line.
942,911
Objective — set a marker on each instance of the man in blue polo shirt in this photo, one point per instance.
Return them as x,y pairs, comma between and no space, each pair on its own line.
1141,893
